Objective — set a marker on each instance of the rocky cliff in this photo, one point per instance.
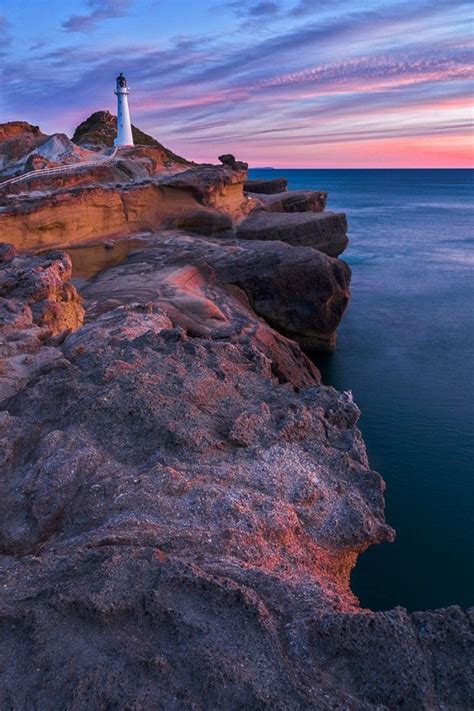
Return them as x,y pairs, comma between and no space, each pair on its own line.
148,187
181,499
182,502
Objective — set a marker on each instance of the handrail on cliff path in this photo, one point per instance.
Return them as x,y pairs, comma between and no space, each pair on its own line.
60,169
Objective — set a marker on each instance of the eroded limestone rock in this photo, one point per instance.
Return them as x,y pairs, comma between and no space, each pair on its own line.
65,213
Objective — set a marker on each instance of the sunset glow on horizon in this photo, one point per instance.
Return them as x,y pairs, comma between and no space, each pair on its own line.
278,83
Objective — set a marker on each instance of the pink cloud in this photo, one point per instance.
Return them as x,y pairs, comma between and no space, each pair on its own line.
374,73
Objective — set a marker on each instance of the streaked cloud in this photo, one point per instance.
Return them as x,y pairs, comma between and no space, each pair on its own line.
303,8
381,72
99,10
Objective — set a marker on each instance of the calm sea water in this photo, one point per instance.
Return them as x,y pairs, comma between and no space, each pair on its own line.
405,349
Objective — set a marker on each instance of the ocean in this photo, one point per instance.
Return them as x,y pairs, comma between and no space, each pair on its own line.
405,349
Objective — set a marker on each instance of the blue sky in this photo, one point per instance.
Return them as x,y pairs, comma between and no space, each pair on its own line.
277,82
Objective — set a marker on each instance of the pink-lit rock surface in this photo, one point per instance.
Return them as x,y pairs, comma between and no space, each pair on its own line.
109,201
299,291
179,517
37,302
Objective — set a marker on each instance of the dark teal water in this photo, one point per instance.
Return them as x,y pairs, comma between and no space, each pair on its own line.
405,349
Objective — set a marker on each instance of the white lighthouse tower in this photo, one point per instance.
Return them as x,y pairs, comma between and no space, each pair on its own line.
124,125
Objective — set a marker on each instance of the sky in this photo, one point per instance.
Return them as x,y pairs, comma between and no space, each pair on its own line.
284,83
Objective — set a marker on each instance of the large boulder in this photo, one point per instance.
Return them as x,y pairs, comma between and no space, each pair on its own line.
325,231
17,140
186,278
208,183
59,149
299,291
24,148
292,201
229,160
266,187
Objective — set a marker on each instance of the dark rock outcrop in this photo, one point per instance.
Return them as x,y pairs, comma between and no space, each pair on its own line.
293,201
99,131
326,231
266,187
229,160
300,292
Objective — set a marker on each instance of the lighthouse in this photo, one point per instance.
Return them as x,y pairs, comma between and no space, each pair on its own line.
124,125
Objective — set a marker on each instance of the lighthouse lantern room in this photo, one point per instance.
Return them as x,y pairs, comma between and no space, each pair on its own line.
124,125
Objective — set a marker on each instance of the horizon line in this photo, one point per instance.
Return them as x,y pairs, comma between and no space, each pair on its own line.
271,167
